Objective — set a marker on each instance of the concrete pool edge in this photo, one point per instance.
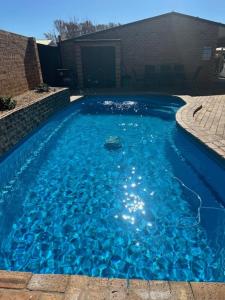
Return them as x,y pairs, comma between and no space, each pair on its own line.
185,118
21,285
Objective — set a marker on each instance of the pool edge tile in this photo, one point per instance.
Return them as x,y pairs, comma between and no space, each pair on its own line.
48,283
14,280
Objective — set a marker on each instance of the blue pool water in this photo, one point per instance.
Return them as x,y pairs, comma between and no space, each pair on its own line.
152,209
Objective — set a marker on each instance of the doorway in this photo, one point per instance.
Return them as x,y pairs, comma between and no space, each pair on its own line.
99,69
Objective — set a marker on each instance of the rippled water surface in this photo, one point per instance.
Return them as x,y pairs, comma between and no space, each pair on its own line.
151,209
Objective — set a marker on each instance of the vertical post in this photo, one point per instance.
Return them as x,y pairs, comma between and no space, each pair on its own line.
60,53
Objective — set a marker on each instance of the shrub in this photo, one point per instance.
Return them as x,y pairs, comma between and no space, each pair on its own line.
41,88
7,103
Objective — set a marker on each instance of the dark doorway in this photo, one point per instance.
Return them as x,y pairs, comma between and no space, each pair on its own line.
98,66
50,62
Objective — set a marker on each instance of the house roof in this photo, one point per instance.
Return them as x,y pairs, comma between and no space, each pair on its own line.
97,41
45,42
149,19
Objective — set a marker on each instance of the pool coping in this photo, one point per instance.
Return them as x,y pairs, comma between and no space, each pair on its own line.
185,118
22,285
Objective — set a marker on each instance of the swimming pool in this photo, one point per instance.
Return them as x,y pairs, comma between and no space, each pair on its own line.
151,209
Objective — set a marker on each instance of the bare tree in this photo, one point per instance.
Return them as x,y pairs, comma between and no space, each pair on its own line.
73,28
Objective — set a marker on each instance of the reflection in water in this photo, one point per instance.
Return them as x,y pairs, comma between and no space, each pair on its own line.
132,201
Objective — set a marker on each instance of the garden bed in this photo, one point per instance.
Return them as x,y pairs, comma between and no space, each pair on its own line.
28,98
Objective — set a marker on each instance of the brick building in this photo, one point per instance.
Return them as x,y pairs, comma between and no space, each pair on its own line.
160,50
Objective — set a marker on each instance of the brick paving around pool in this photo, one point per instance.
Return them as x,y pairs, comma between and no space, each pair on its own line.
204,118
26,286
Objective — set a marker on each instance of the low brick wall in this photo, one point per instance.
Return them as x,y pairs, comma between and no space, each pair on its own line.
15,125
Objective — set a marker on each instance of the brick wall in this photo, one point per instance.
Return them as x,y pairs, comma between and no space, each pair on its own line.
17,124
19,64
169,39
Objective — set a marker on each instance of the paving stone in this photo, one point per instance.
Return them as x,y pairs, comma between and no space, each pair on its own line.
137,284
18,295
138,289
118,294
76,285
181,291
49,296
139,294
208,291
100,294
73,294
77,282
98,282
118,289
14,280
122,283
48,283
160,290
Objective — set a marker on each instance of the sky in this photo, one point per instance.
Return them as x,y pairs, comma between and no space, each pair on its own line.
34,17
